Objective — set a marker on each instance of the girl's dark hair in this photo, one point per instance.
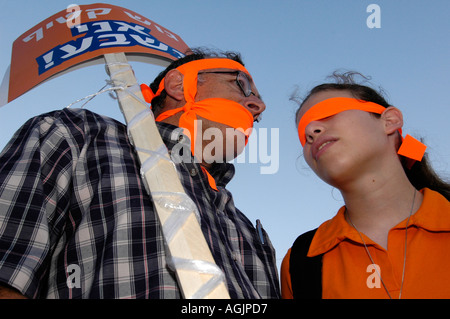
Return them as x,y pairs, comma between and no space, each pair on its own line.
193,55
421,174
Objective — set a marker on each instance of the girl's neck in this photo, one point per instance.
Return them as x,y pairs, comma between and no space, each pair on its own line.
375,205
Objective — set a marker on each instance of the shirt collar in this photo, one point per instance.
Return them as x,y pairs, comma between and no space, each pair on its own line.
433,215
172,135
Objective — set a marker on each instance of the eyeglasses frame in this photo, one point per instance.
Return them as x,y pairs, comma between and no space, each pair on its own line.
258,119
238,83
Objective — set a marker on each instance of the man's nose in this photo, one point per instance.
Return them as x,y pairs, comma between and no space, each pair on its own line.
255,105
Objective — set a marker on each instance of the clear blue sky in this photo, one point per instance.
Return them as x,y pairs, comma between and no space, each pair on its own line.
284,44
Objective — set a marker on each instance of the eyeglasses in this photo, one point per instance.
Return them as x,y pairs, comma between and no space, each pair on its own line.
242,81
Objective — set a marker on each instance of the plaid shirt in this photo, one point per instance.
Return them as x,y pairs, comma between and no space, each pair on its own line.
76,221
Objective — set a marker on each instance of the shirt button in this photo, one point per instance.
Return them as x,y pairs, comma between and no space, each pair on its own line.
193,171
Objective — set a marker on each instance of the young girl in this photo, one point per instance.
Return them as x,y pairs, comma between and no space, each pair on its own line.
392,237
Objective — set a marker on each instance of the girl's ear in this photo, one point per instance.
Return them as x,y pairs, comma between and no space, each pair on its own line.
393,120
173,84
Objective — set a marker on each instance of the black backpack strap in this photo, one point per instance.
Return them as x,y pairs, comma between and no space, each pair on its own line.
306,272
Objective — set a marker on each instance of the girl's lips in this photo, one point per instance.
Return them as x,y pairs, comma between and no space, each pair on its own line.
321,145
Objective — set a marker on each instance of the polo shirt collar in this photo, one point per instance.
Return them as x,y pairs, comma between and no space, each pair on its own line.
433,215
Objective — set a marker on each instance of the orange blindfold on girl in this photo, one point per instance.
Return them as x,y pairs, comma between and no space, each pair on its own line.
410,147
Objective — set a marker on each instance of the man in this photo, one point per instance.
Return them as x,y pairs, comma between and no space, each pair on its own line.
72,201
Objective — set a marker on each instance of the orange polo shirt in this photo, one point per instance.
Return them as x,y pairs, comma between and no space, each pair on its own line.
348,272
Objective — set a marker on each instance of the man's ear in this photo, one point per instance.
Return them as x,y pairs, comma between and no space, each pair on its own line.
173,84
393,119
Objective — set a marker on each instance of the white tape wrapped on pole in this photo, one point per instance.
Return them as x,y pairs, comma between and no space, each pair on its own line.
188,253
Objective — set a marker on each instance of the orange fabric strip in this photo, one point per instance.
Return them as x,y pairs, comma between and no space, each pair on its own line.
410,147
190,71
332,107
218,110
211,180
